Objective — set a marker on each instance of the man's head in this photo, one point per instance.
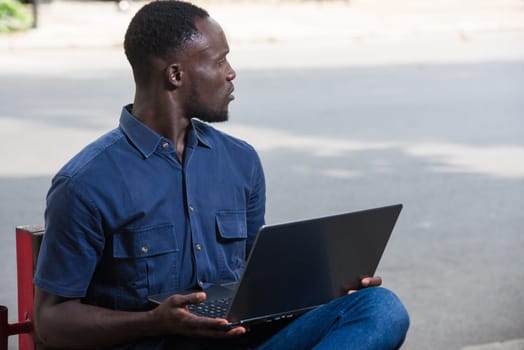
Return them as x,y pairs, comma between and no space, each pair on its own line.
178,45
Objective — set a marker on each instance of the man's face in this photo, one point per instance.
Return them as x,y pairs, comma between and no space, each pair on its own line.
208,74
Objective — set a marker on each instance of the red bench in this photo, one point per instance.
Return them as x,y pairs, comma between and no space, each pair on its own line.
28,240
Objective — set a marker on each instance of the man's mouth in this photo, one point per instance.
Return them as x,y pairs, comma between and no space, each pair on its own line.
230,93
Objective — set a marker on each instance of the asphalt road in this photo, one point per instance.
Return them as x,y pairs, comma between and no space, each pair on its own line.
446,140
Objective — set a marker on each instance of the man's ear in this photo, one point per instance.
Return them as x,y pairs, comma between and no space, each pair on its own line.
174,75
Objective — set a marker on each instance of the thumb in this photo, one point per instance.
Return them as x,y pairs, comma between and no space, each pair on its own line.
188,299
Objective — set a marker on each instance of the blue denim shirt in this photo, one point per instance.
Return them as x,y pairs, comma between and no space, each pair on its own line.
126,219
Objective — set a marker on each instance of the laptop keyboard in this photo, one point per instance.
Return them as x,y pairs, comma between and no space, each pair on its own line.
214,308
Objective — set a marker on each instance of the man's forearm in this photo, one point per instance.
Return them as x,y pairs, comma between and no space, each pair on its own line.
71,324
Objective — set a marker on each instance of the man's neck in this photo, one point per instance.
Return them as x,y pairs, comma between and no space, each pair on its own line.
165,119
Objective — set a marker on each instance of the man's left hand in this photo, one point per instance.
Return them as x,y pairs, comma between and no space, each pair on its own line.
374,281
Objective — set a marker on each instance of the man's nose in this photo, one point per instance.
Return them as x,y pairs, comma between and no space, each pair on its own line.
231,74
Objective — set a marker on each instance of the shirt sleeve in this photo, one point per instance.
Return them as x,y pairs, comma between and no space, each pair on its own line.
256,206
73,241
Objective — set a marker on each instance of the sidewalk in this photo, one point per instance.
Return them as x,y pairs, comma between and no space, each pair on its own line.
375,31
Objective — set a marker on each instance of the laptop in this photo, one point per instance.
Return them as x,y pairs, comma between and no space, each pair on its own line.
297,266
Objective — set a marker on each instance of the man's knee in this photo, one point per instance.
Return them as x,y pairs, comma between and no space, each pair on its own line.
386,312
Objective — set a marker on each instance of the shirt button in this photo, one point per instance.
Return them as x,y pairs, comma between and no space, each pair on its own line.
191,208
165,145
198,246
201,283
144,249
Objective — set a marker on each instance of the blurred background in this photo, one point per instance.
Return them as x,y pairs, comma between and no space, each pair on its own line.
351,104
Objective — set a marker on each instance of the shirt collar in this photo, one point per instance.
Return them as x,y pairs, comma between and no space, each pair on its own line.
147,141
202,132
142,137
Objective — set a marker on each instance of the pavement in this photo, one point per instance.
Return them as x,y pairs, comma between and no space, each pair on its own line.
296,34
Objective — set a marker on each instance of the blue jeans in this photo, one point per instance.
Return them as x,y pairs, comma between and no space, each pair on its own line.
372,318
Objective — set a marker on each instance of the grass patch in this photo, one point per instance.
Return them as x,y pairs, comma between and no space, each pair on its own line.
14,16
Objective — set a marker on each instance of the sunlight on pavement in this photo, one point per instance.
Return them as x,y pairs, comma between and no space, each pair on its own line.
498,161
495,161
517,344
44,149
48,149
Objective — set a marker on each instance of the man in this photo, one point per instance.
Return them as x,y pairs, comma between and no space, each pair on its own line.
166,202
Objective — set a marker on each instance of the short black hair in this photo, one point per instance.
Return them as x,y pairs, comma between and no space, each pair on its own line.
158,29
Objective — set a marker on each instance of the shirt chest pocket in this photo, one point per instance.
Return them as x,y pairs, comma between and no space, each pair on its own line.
146,261
231,225
232,236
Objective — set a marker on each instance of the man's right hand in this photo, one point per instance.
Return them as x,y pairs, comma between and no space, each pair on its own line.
174,318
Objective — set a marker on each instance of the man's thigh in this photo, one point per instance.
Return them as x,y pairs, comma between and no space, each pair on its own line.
372,318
